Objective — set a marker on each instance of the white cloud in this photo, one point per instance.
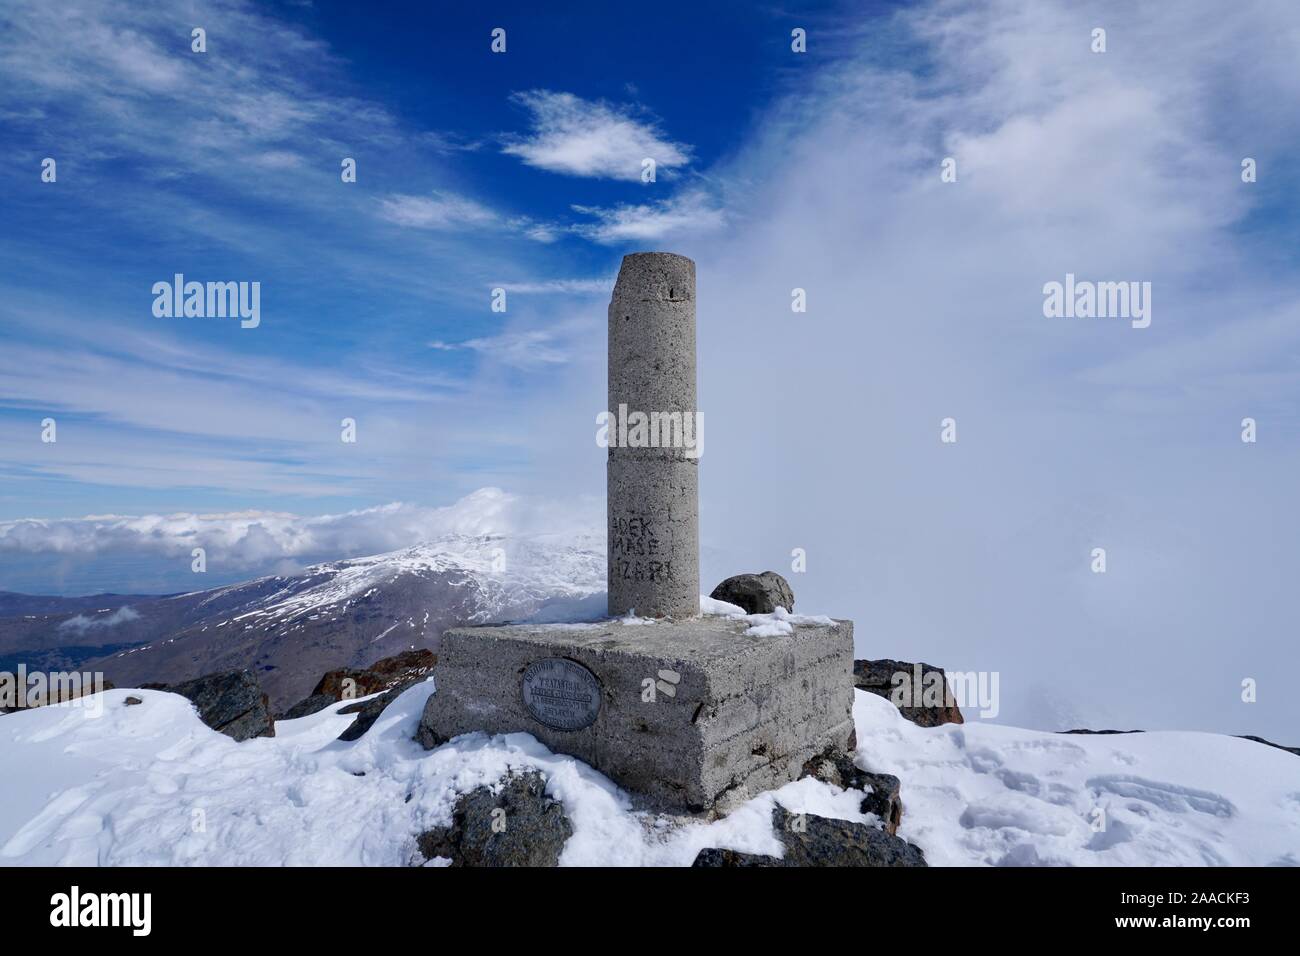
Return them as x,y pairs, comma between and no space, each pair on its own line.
692,213
924,301
82,623
580,137
449,212
538,231
524,349
561,286
441,210
254,539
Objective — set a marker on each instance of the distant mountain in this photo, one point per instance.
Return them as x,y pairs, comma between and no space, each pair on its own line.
61,633
291,629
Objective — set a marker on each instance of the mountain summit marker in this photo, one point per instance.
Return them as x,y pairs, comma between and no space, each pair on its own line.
687,711
652,496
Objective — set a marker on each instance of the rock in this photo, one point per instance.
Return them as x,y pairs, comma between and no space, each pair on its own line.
756,593
883,799
931,690
1269,743
231,703
311,705
387,677
1251,737
714,857
882,789
515,824
401,669
132,701
820,841
368,712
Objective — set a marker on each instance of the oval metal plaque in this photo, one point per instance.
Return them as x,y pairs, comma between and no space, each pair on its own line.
561,693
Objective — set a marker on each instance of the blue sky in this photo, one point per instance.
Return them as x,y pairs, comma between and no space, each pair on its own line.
819,171
225,165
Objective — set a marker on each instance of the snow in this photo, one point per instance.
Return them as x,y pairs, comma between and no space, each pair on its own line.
151,785
509,570
988,794
535,578
777,624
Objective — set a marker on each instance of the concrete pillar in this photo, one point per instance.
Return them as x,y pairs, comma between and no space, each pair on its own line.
653,492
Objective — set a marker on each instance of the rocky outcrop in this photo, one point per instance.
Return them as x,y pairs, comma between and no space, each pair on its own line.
882,791
368,712
1250,737
517,825
919,691
308,706
388,678
1269,743
820,841
231,703
756,593
400,670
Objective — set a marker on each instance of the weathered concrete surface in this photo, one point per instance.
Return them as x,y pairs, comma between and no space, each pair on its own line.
653,492
731,715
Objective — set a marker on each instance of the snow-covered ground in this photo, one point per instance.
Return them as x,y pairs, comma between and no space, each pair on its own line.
150,784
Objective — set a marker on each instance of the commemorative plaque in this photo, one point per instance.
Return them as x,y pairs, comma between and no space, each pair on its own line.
561,693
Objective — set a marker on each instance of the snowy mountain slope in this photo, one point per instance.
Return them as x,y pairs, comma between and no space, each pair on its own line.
291,629
150,784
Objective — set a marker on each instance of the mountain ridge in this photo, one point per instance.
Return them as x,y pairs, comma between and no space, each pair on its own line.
289,629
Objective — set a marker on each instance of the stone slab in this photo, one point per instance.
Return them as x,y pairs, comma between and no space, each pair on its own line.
732,715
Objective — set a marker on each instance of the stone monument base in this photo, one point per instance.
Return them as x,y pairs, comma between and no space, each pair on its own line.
692,714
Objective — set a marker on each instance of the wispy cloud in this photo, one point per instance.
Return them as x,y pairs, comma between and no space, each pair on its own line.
561,286
524,349
691,214
82,623
580,137
438,211
452,213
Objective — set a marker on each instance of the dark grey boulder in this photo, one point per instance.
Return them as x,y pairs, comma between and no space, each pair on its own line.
1269,743
882,791
1250,737
756,593
879,678
311,705
231,703
820,841
882,798
714,858
368,712
519,825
